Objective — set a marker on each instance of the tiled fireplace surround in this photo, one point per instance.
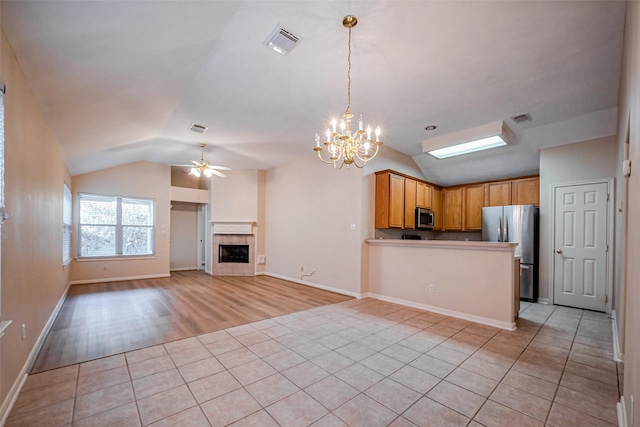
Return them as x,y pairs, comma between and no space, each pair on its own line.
233,233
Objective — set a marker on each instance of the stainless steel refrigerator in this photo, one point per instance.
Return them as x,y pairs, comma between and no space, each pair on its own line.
519,224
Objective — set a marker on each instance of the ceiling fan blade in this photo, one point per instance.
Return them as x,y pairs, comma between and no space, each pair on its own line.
220,174
222,168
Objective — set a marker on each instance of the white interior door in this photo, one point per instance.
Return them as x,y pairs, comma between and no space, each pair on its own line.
580,257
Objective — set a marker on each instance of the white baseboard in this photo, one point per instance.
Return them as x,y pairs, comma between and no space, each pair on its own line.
119,279
12,396
543,301
510,326
313,285
184,269
618,356
622,413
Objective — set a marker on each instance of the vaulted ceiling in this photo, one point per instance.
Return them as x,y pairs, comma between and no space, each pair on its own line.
122,81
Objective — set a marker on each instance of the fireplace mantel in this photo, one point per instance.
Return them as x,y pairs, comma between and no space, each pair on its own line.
232,227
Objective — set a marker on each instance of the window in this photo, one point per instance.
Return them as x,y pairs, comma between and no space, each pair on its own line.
116,226
66,225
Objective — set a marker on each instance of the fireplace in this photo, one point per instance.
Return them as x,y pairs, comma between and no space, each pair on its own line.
234,248
233,253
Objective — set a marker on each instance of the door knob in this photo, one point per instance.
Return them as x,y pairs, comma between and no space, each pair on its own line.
559,251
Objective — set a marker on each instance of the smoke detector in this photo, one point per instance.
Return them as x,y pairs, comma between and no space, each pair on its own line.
521,118
197,128
281,40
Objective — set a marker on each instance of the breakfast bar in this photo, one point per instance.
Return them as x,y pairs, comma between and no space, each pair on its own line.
476,281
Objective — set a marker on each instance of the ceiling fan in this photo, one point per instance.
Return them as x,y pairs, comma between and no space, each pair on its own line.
202,166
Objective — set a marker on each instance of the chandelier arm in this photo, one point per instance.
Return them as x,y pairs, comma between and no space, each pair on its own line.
329,162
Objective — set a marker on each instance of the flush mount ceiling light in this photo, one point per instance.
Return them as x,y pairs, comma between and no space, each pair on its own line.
202,167
468,141
344,146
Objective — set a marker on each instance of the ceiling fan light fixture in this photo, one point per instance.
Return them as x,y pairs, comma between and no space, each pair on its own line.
202,166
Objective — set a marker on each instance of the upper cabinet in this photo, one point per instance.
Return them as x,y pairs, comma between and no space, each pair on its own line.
525,191
410,187
473,200
436,208
497,193
424,193
389,200
457,208
452,207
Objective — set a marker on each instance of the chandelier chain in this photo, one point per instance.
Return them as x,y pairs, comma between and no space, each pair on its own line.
349,75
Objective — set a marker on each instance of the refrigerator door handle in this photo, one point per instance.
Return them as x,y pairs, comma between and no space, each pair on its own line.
524,267
505,237
500,229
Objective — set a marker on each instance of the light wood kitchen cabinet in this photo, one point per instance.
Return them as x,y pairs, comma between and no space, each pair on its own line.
436,208
525,191
389,200
452,207
497,193
423,195
473,200
410,188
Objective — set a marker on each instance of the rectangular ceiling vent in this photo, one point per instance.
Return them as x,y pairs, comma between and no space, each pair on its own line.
197,128
281,40
521,118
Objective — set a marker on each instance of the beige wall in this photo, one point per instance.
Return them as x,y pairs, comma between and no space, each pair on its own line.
630,107
139,179
235,198
593,159
482,290
310,207
33,277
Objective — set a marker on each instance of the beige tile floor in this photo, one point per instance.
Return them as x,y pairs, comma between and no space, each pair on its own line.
358,363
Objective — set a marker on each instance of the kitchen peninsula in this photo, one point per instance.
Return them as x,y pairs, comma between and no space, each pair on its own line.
477,281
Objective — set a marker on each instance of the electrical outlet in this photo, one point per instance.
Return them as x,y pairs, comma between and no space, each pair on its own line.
432,288
24,331
104,266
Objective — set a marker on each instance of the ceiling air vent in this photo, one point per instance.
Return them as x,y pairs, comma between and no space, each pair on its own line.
281,40
521,118
197,128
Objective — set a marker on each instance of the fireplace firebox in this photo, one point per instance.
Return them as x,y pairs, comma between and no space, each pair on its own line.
233,253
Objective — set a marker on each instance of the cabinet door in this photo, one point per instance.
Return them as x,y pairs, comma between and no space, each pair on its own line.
396,201
436,208
423,195
497,193
389,212
472,207
452,201
410,188
525,191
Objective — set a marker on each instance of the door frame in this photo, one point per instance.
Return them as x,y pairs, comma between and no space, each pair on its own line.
610,235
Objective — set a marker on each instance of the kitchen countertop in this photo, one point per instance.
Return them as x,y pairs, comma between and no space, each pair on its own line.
446,244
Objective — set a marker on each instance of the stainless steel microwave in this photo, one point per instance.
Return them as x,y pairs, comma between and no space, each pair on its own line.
424,219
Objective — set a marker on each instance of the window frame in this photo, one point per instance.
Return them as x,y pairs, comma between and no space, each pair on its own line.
118,226
67,224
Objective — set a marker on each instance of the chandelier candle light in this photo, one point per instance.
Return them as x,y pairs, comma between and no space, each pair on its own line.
347,147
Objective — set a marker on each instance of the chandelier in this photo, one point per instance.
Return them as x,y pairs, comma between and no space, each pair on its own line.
344,145
202,167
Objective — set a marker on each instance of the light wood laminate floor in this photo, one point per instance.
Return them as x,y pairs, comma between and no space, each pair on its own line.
103,319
